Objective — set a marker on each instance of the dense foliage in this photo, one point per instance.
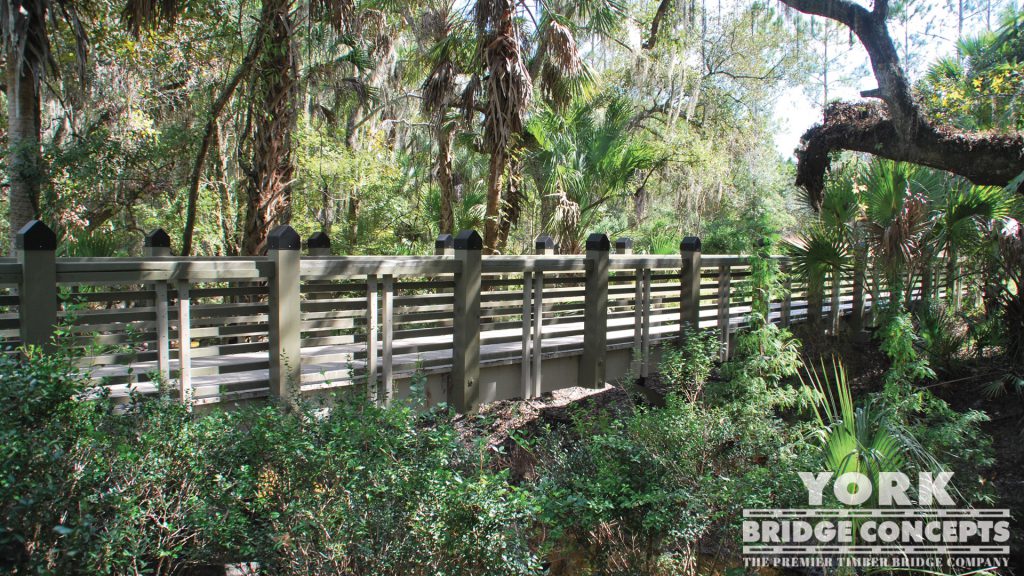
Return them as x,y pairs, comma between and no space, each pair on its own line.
350,488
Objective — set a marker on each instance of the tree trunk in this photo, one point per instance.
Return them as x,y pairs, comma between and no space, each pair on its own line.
209,134
497,169
227,202
815,290
353,220
24,159
639,207
445,181
511,208
268,186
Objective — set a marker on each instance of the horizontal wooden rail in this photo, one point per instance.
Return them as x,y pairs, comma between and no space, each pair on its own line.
225,329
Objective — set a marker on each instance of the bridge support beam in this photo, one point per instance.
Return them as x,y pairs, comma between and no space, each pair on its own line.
689,285
595,313
464,394
284,332
36,247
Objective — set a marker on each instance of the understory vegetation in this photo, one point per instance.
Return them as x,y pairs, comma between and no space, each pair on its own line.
619,487
894,229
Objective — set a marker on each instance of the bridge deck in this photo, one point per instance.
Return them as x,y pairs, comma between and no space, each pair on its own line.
244,375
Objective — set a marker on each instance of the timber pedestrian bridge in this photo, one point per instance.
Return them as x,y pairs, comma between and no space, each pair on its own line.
466,328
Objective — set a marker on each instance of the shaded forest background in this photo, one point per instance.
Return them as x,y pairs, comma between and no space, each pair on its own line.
384,123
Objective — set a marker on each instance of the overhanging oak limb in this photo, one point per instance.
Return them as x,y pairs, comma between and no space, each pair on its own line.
987,159
895,128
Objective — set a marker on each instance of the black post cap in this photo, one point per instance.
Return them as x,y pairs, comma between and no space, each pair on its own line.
283,238
318,240
469,240
598,241
544,242
157,239
444,241
623,243
35,235
690,244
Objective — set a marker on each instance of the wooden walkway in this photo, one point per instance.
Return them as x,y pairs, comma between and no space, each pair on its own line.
475,328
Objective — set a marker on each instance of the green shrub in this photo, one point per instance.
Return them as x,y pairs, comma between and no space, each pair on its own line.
634,493
157,489
686,367
940,334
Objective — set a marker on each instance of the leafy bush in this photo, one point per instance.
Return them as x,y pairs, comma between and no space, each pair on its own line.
947,439
637,495
686,367
940,334
898,340
360,490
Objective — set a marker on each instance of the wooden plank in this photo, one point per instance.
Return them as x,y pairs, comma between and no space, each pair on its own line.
514,264
346,267
163,341
387,309
524,380
371,337
184,345
639,261
645,343
724,280
146,276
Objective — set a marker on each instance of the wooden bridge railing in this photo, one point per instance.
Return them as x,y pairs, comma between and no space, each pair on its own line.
231,328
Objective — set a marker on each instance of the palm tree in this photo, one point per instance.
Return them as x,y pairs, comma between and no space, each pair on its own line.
819,253
962,217
452,47
583,157
823,251
26,47
505,83
853,438
508,91
897,215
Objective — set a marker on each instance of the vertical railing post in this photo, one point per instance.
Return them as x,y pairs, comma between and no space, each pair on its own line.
157,244
876,295
387,313
465,378
645,340
318,244
624,246
36,247
444,245
859,280
371,337
595,312
184,343
283,246
724,312
689,285
525,387
544,245
786,309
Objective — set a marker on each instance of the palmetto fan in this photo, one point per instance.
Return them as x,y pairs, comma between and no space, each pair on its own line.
853,438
